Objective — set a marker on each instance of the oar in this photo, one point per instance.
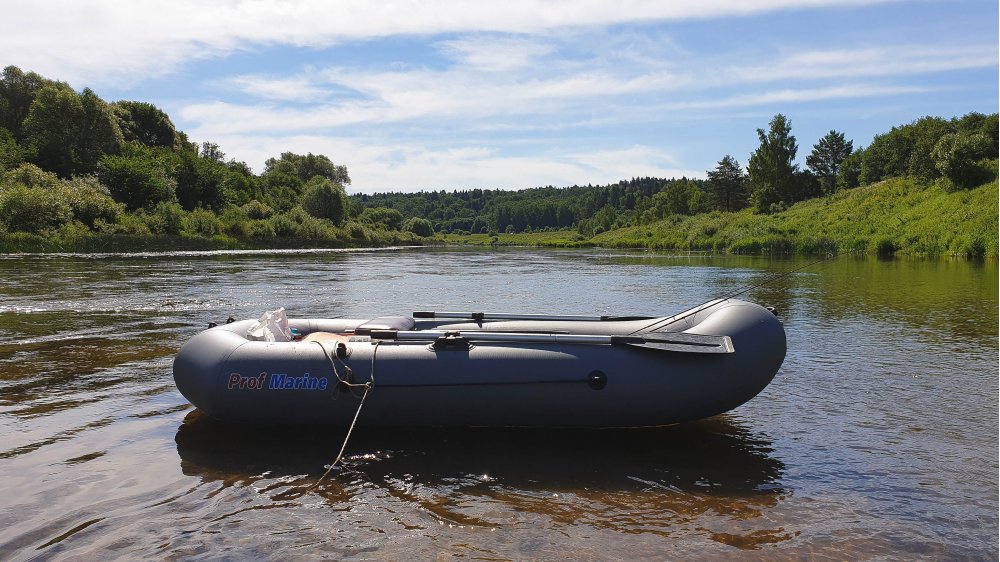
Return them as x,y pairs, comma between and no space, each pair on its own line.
663,341
479,316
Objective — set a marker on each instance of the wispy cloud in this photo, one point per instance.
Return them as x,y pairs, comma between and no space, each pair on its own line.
123,41
406,166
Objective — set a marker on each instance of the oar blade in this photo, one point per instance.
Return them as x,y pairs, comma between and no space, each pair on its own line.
682,342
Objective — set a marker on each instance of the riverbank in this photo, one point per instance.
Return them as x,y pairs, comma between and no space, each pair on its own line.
901,216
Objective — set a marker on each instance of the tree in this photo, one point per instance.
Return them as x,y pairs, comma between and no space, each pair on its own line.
389,219
69,132
728,184
419,226
826,158
324,199
957,157
139,178
30,209
849,175
199,180
772,173
145,123
308,166
11,153
17,92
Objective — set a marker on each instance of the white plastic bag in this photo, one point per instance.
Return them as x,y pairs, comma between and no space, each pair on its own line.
272,326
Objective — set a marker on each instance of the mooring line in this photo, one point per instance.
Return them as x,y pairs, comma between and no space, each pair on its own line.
368,386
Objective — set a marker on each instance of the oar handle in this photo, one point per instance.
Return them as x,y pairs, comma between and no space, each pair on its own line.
431,335
479,316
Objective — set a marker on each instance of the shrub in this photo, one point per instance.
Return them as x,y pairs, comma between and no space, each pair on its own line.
202,222
166,218
259,229
284,225
27,209
29,175
957,157
419,226
324,199
389,219
257,210
91,201
137,180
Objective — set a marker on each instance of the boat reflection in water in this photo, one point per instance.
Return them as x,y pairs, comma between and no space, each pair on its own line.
637,480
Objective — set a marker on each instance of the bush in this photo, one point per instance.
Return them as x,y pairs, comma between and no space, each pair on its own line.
259,229
324,199
91,201
29,175
257,210
166,218
138,180
27,209
202,222
284,225
389,219
957,157
419,226
131,224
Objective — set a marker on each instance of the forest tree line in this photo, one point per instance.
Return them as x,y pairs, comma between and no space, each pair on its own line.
72,162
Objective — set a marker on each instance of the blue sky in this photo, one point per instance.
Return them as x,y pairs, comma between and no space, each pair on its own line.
522,93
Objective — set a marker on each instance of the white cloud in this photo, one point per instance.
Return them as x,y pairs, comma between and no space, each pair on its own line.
886,60
376,165
123,41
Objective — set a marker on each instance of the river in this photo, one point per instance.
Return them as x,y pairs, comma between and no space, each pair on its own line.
878,439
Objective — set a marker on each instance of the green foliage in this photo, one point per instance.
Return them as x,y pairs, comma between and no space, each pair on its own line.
90,201
11,153
771,168
909,149
849,175
202,222
257,210
324,199
32,209
68,132
307,167
166,218
957,157
140,177
419,226
199,180
827,157
728,185
144,123
898,216
17,92
29,175
389,219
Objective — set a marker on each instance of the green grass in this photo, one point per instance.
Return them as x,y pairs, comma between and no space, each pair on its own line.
898,216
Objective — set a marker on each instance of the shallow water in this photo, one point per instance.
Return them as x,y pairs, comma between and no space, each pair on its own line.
878,439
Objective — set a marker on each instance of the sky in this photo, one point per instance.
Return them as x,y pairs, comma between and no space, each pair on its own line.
419,95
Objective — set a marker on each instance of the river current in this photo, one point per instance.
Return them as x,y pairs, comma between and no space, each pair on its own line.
877,440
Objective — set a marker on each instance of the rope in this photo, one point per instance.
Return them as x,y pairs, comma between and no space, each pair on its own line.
368,386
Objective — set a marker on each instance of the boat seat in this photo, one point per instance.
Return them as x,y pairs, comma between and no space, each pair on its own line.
398,323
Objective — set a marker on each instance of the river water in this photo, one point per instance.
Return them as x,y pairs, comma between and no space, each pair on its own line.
878,439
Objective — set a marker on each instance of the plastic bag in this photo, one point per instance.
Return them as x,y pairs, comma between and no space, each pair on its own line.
272,326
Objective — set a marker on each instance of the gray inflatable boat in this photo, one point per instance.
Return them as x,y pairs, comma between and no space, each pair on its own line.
475,369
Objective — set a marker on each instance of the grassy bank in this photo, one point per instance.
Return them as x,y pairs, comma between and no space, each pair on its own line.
95,242
898,216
